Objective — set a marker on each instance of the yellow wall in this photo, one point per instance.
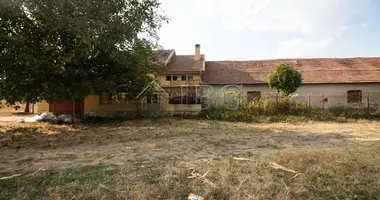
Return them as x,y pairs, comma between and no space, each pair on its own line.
43,106
164,83
184,107
92,103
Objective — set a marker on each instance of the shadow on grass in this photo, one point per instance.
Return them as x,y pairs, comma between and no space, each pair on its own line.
197,135
349,172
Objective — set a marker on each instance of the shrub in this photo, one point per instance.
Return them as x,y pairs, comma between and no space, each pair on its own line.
184,100
285,108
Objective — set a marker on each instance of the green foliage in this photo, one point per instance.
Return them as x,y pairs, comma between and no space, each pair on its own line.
285,79
283,109
57,50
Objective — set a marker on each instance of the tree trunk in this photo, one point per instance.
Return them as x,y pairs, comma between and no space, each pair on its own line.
77,109
27,107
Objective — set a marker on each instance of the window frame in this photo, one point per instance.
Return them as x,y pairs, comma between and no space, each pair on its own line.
187,77
168,78
152,99
106,98
176,78
354,96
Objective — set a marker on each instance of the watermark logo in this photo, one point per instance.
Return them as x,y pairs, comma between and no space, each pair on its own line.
153,95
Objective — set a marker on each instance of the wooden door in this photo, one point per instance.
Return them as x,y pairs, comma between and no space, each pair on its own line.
64,108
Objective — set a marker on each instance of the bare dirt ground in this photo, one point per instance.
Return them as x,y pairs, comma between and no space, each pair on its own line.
9,114
40,145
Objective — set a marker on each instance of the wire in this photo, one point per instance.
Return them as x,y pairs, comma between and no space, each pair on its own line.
262,9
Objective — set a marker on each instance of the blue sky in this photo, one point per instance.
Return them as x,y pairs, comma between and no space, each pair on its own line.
268,29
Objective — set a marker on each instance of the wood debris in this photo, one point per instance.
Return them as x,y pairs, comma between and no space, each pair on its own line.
202,177
243,159
280,167
10,177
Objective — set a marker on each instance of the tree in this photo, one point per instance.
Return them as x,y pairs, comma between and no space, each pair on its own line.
58,50
285,79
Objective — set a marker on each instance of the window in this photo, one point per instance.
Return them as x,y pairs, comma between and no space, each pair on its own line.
174,78
354,96
152,99
190,98
187,78
168,78
106,98
253,96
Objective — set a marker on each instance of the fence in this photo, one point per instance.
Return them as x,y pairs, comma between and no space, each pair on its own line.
326,100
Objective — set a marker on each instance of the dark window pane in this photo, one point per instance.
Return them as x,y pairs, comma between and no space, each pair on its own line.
190,78
175,78
152,99
168,78
253,96
184,78
354,96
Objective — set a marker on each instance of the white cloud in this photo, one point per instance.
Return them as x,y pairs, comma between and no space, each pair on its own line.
314,24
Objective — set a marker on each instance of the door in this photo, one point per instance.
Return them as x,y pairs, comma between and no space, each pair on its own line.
64,108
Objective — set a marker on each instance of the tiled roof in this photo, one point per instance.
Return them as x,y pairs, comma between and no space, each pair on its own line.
345,70
186,63
163,55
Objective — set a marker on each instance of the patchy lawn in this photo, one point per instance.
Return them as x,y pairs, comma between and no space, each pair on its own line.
169,158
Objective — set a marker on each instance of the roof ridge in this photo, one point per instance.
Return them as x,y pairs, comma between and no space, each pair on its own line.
280,59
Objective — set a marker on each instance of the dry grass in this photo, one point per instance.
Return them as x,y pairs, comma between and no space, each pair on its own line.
153,159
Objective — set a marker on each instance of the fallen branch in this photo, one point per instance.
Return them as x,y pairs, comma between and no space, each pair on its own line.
204,160
280,167
34,173
243,159
202,178
18,175
10,177
295,176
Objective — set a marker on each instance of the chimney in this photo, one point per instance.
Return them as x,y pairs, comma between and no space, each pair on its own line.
197,55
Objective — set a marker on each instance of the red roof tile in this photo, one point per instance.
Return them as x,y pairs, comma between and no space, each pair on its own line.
346,70
162,55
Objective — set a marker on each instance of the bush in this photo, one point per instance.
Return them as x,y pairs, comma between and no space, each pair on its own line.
285,108
184,100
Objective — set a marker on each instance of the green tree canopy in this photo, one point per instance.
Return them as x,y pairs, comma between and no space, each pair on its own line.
285,79
58,50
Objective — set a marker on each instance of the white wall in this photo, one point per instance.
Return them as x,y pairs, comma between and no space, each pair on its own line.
335,93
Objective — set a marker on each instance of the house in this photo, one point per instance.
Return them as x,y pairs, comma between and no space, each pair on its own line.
326,82
176,90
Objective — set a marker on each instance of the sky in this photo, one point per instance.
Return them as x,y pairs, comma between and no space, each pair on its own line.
270,29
